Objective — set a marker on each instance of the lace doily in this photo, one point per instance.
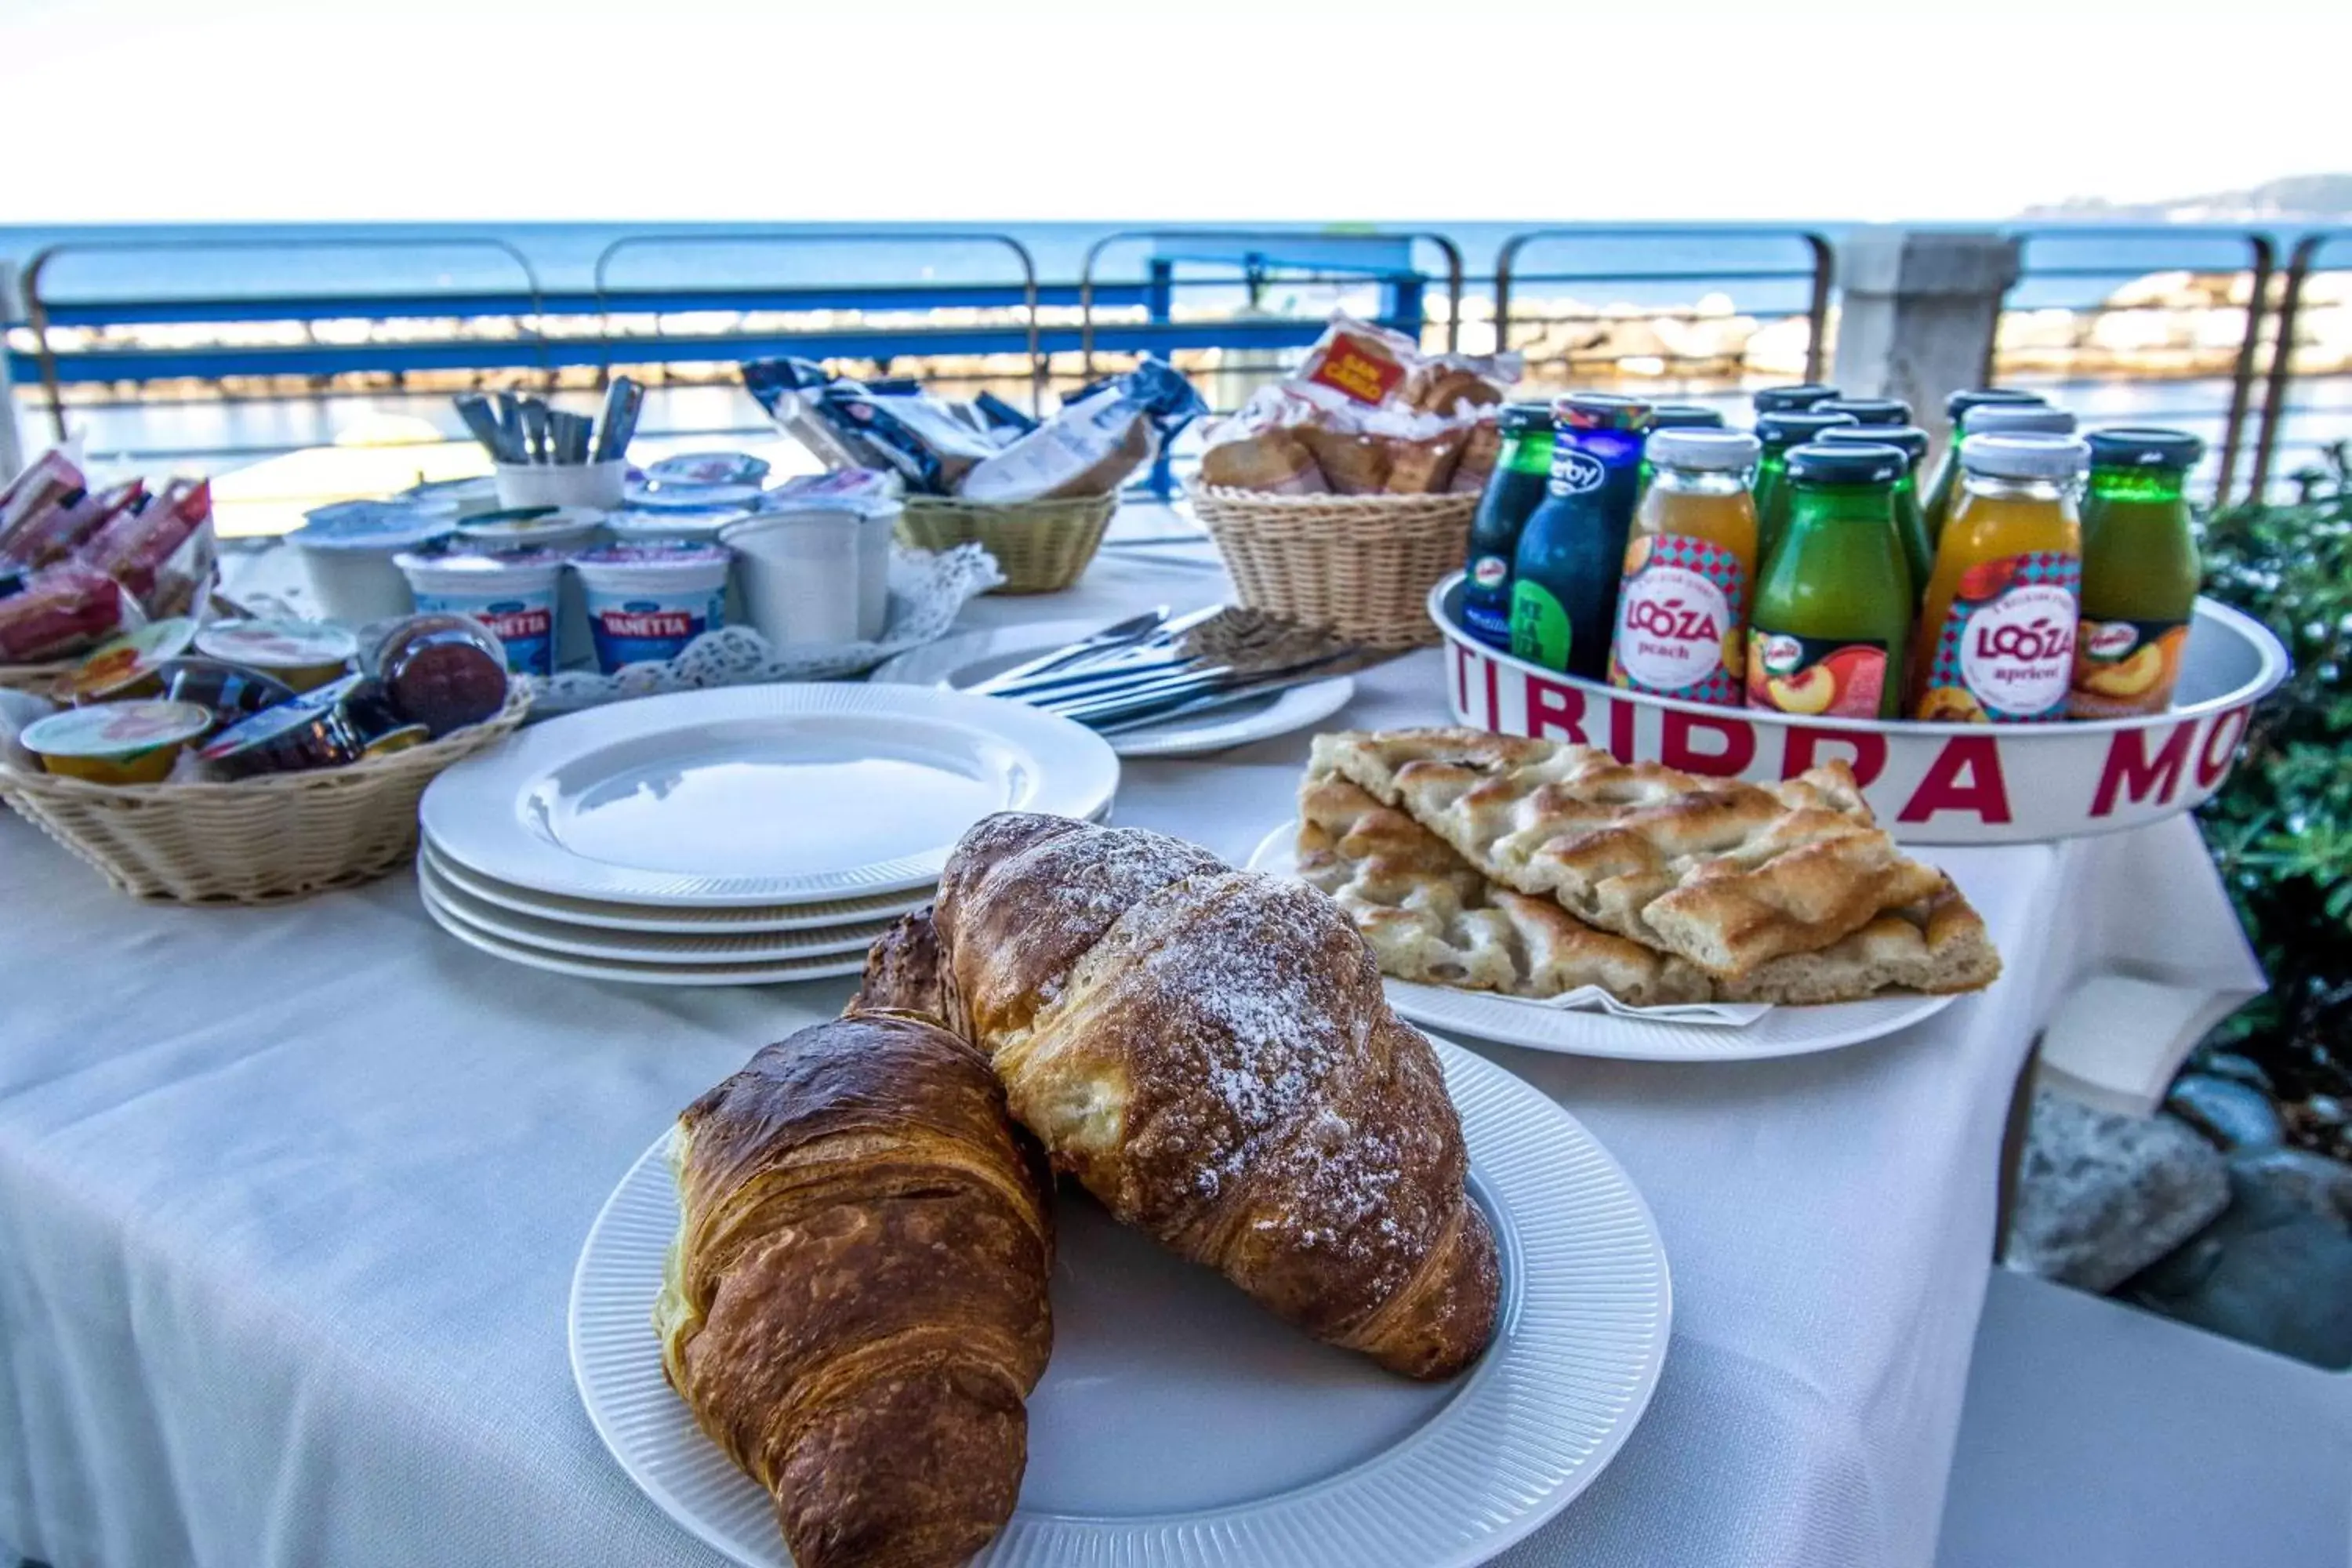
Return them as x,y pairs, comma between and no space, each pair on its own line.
926,592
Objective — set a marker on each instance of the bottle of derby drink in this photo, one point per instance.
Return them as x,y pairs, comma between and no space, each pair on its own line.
1833,607
1995,637
1682,610
1564,574
1514,489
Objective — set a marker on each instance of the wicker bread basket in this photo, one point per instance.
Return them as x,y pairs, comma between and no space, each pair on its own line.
1360,565
258,840
1043,545
40,680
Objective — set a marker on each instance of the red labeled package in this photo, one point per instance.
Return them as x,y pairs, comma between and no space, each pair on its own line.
61,611
46,514
1362,364
161,552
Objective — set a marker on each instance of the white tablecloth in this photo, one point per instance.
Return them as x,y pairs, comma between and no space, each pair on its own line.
289,1201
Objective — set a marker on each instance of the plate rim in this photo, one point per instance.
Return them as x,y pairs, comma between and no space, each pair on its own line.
1431,1007
506,770
1608,1175
673,974
431,878
639,918
1292,709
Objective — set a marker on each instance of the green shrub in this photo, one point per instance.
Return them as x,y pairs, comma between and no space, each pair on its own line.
2282,830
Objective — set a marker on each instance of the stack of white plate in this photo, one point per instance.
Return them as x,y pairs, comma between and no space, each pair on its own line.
740,836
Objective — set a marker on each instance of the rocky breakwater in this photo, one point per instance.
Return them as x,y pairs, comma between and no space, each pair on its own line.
2202,1212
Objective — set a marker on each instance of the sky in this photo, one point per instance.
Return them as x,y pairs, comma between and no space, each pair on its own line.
180,111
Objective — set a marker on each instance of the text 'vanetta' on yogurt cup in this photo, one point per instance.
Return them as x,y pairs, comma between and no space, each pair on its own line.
514,593
648,599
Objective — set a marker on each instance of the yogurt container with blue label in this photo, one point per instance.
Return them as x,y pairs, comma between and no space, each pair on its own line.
515,592
648,599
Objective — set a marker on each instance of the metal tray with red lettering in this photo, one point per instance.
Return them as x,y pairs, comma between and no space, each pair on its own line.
1931,784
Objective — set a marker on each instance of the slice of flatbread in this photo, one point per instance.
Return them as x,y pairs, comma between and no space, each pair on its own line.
1429,916
1724,874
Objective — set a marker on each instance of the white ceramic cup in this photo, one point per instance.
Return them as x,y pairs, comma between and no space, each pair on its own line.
814,575
599,485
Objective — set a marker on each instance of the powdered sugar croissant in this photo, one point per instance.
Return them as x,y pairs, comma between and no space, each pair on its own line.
1208,1051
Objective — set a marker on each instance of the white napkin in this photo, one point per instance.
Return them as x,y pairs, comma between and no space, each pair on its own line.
1592,998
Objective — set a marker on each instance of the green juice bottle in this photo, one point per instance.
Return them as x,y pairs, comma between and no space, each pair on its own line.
1833,617
1910,517
2140,572
1779,432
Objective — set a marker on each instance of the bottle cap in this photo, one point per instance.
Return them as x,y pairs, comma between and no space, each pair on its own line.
1860,463
1869,410
2026,457
2017,419
1785,399
1908,439
2134,448
1798,425
1957,406
1685,416
1703,452
1527,417
1599,411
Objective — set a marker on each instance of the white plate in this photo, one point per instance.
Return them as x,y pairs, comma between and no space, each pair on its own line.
747,919
956,662
635,972
751,919
646,947
1181,1426
1783,1031
757,794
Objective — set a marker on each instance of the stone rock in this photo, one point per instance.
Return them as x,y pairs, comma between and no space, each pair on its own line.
2102,1196
2233,1115
2275,1269
2279,1182
2233,1066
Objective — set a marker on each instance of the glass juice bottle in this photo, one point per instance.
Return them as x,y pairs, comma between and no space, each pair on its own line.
1868,410
1514,489
2140,572
1995,637
1779,432
1788,399
1937,503
1682,609
1833,617
1564,572
1910,518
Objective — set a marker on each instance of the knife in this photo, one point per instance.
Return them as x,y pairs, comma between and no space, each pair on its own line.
1117,635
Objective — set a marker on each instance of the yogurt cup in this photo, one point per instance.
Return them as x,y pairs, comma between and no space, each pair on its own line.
465,497
303,654
131,664
816,574
566,531
347,550
650,600
517,593
116,742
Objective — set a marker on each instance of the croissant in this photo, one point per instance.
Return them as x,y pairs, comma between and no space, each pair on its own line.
855,1307
1208,1051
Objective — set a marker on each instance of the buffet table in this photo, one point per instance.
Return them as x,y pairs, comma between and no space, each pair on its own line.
291,1197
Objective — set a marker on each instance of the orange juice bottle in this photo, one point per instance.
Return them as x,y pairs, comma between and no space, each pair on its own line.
1682,609
1996,638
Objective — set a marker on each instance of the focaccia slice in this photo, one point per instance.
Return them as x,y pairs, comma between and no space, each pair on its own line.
1724,874
1429,916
